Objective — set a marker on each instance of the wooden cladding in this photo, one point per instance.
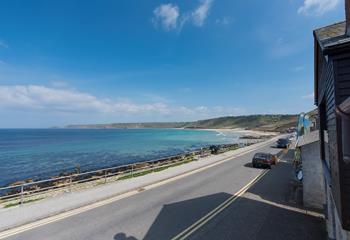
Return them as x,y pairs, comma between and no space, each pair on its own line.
334,89
342,110
344,164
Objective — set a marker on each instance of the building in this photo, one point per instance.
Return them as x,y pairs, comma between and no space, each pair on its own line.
313,179
307,159
332,96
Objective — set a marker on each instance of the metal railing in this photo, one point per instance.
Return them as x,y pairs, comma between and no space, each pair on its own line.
36,190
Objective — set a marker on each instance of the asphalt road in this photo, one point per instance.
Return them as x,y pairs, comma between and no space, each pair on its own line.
165,211
269,210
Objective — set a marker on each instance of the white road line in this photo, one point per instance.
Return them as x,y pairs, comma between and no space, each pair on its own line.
257,198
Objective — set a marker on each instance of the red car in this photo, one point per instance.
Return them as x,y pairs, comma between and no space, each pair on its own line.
263,160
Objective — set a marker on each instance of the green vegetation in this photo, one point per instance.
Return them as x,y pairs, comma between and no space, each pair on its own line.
267,122
142,173
252,122
13,204
137,174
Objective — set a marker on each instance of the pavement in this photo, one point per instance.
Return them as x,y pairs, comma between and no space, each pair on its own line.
162,212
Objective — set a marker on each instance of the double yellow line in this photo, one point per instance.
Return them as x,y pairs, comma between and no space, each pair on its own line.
201,222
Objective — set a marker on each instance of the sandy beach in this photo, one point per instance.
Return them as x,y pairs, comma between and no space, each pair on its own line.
244,132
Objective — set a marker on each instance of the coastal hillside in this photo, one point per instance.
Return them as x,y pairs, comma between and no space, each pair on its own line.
132,125
268,122
278,123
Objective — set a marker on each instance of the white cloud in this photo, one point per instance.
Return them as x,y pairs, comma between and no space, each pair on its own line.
39,98
155,98
308,96
280,48
317,7
66,100
298,68
224,21
277,46
200,14
167,15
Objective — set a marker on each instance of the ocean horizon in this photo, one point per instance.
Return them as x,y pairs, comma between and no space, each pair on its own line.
43,153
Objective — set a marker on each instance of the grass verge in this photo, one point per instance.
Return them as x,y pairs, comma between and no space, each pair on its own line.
148,171
13,204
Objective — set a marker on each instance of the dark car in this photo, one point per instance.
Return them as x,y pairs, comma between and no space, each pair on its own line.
263,160
282,143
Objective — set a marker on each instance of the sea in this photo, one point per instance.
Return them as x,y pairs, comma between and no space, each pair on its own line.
42,153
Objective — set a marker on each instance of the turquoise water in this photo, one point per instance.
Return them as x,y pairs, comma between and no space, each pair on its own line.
42,153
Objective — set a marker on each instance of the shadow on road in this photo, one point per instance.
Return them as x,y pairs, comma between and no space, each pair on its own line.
250,219
266,211
250,165
122,236
263,212
176,217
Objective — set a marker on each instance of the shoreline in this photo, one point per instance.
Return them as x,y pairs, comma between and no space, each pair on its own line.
100,149
241,132
73,171
237,134
81,180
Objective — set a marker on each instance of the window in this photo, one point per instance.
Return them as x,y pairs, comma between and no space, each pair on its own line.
343,112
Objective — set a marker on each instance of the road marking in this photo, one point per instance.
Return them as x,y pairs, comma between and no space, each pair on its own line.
70,213
197,225
258,198
61,216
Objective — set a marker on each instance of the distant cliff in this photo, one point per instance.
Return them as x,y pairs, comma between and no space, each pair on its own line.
268,122
133,125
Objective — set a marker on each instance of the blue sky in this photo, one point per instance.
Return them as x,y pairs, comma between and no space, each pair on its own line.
66,62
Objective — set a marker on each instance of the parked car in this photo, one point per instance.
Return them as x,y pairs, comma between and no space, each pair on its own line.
264,160
282,143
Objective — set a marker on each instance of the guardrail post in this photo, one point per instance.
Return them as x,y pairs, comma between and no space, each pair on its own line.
22,192
70,183
132,170
105,176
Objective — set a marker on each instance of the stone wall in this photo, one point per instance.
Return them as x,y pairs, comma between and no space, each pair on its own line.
313,180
